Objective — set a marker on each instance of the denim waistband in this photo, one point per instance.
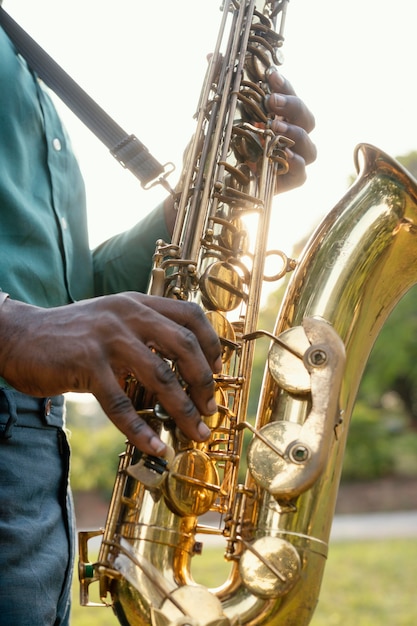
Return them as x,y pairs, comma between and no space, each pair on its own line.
21,410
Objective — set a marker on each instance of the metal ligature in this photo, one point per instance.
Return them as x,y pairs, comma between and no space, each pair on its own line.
275,521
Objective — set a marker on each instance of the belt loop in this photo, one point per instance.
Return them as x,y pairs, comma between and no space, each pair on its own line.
47,408
7,432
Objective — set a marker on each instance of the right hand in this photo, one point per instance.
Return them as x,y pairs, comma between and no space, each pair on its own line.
90,345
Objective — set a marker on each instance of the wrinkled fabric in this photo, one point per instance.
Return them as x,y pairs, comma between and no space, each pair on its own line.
45,260
44,253
36,513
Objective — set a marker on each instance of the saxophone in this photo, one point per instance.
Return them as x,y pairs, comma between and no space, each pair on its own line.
275,521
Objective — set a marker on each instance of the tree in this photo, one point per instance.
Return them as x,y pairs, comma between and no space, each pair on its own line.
392,365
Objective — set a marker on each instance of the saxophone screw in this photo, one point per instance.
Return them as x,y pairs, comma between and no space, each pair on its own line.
317,357
299,453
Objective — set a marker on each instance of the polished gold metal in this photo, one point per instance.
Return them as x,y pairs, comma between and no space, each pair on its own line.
356,267
275,522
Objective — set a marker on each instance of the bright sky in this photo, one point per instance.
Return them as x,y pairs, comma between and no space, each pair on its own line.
352,62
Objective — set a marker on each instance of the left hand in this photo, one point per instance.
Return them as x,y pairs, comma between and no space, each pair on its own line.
294,120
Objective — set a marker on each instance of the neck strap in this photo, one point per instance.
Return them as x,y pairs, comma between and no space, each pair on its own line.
127,149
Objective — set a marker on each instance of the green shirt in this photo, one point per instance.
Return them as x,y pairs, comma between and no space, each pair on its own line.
44,253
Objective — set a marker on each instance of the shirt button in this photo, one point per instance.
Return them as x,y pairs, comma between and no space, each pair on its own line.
56,144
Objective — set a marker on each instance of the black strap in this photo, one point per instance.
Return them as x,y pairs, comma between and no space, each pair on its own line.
127,149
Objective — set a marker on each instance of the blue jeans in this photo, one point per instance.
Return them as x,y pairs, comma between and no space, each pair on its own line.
36,513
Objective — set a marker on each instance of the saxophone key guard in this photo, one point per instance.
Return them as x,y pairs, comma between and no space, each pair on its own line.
286,458
151,471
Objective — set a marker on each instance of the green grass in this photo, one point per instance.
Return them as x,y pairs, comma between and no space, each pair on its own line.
367,583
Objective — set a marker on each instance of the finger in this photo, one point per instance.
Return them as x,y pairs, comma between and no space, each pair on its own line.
302,142
292,109
121,412
295,176
190,316
180,345
278,83
176,330
161,381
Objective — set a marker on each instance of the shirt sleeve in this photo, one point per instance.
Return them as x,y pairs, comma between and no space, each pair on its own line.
124,262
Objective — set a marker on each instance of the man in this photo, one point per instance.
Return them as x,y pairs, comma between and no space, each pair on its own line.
75,321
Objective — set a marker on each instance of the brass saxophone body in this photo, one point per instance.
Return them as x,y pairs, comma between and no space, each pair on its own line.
274,522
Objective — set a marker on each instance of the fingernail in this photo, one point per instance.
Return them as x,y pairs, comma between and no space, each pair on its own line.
280,127
212,406
218,365
278,99
204,431
157,445
272,71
